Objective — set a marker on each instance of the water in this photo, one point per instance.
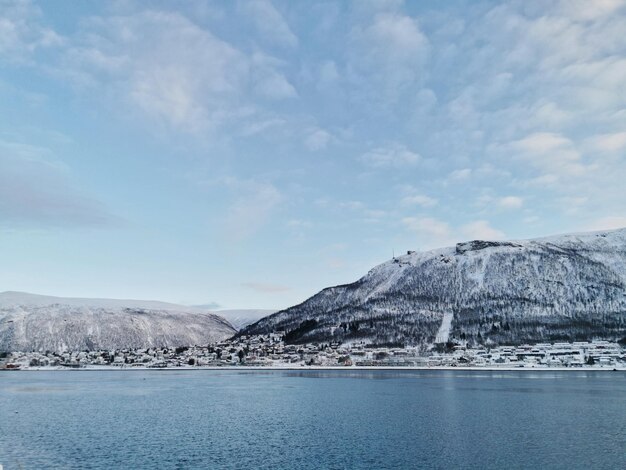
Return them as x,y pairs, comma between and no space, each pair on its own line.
312,419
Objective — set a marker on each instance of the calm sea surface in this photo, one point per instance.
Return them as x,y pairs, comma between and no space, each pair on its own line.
312,419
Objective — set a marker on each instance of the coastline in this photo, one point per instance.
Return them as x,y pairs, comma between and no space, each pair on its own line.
322,368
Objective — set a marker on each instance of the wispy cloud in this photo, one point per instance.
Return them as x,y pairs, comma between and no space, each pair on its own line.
481,229
614,142
172,70
268,81
252,208
419,200
430,231
551,153
37,190
511,202
317,139
391,50
269,22
392,156
22,32
299,224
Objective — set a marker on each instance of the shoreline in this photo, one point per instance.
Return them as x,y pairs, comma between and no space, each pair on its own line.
320,368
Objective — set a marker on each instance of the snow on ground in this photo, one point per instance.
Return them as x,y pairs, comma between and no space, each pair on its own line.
38,323
444,330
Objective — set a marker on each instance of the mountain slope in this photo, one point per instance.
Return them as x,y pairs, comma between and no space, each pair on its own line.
243,317
31,322
566,287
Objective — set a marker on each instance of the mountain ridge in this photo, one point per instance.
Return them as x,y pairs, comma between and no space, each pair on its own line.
32,322
12,298
570,286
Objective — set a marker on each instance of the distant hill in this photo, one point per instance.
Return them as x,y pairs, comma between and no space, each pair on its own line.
30,322
568,287
244,317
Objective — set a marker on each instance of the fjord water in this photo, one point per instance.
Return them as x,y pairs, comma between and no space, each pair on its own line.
312,419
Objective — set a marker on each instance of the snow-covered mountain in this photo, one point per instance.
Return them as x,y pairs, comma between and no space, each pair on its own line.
568,287
30,322
243,317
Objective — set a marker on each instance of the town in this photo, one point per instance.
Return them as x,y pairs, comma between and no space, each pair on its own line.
270,351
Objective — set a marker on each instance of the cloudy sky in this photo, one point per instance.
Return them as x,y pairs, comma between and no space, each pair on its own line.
248,154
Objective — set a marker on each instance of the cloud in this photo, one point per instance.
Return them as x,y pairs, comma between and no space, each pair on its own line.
374,216
254,205
481,229
513,97
543,142
615,142
460,174
351,205
317,139
582,10
21,32
269,22
433,232
256,127
542,82
551,153
38,191
572,204
391,50
399,33
510,202
299,224
265,288
394,156
428,227
172,70
556,35
357,209
268,81
419,200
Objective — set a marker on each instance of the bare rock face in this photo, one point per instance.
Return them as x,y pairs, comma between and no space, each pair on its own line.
476,245
39,323
569,287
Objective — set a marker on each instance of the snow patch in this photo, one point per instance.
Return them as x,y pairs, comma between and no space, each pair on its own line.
444,330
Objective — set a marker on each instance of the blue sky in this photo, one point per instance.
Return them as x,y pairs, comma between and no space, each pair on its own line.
247,154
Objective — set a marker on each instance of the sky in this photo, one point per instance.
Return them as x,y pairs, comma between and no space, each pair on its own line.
247,154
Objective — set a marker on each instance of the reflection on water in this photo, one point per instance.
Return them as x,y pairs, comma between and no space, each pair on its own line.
312,419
